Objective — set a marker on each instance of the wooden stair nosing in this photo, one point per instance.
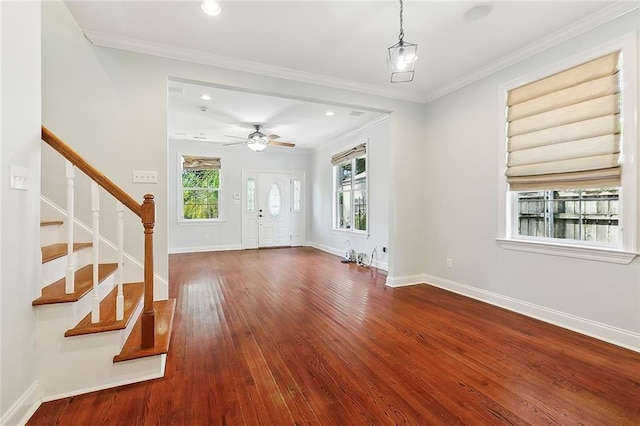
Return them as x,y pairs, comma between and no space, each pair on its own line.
164,312
132,297
55,251
83,283
50,223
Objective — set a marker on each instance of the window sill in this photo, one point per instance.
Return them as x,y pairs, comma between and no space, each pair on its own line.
190,222
589,253
360,234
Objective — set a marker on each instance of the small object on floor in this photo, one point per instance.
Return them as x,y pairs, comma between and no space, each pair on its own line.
345,261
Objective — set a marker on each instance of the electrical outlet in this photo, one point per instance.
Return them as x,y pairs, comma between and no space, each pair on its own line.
384,249
449,262
145,176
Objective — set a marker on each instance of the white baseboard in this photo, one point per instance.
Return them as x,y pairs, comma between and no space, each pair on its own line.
406,280
332,250
107,386
600,331
22,410
202,249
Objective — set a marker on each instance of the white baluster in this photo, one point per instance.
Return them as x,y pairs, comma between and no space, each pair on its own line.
120,273
95,209
69,286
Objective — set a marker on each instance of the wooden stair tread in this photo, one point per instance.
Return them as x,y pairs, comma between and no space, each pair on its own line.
51,222
83,283
54,251
164,312
132,296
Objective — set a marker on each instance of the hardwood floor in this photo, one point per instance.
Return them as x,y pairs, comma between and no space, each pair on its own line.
292,336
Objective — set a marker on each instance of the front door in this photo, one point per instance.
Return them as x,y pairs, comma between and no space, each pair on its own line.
274,207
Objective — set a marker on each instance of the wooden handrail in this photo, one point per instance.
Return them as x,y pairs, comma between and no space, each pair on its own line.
145,211
67,152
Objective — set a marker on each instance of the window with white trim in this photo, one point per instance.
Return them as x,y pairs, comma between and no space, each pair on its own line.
570,171
350,189
200,187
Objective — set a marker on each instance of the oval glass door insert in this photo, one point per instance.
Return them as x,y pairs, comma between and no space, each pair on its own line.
274,201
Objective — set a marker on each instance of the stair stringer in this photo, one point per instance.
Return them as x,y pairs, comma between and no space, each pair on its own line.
133,269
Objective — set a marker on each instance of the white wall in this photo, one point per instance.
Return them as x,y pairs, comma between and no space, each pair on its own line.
321,233
461,195
111,106
20,251
225,234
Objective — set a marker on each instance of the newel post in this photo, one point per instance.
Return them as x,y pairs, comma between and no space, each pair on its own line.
148,315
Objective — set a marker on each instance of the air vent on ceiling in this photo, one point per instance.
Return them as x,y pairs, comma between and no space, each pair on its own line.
176,90
180,134
201,136
356,113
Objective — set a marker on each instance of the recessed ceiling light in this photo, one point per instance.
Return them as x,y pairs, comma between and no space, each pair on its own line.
330,113
479,12
205,97
210,7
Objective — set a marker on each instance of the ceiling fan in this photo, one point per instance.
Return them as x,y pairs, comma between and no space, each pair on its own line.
258,141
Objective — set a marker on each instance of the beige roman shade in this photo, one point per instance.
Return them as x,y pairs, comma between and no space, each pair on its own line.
350,154
200,163
564,130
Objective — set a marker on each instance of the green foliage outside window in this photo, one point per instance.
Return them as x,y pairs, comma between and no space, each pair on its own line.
200,193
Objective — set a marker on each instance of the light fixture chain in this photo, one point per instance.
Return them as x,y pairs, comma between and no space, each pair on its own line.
401,35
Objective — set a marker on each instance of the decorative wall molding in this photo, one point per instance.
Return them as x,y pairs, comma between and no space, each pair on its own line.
406,280
570,31
203,249
205,58
580,325
23,408
332,250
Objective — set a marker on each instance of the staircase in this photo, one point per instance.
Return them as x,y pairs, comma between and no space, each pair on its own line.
94,330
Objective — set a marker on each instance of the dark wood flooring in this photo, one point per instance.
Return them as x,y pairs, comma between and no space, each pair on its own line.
292,336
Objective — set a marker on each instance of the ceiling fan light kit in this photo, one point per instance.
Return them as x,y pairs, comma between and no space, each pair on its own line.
258,141
402,57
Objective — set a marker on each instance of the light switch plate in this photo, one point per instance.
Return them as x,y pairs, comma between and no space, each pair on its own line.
19,178
145,176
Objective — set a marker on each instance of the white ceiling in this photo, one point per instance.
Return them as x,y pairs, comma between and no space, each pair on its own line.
233,113
336,43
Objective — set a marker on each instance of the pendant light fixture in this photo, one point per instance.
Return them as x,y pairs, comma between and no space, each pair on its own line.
402,57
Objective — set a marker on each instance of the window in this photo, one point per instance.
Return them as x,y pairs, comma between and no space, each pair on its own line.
350,189
200,188
251,195
570,175
297,193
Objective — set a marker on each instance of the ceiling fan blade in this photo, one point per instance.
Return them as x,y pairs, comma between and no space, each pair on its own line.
235,137
272,137
234,143
279,143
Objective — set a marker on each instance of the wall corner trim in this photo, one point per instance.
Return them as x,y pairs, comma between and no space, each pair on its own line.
24,407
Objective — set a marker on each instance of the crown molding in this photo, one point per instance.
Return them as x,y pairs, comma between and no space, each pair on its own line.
570,31
104,39
335,140
605,15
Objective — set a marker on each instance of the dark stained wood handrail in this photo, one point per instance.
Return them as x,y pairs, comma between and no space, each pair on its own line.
145,211
67,152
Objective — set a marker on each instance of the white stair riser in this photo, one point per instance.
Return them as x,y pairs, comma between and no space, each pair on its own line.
78,364
74,312
52,234
55,269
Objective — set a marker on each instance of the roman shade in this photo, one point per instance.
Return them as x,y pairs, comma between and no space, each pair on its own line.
350,154
564,130
200,163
